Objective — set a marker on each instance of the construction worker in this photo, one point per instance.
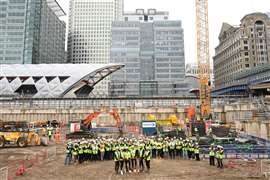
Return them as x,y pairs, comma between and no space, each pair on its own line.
184,148
147,156
49,130
189,146
102,151
133,160
192,148
172,149
197,152
127,159
212,155
94,151
80,153
68,153
165,148
116,158
141,156
159,147
75,152
121,159
107,154
219,156
154,150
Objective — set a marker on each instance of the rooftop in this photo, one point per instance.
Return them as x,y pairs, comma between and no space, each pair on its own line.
57,9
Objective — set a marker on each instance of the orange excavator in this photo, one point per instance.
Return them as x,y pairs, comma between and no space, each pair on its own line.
114,113
85,125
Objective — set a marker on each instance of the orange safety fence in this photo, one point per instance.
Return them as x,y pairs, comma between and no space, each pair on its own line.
22,166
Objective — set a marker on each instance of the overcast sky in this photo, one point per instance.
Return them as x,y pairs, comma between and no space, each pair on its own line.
230,11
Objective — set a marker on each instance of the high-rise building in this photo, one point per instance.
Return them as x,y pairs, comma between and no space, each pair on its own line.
152,49
241,50
89,36
31,32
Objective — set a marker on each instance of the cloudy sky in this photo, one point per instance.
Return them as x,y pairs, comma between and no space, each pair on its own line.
230,11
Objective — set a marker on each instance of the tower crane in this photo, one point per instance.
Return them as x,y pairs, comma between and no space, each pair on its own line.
202,32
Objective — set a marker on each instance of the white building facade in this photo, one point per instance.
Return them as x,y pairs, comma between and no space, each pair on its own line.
89,35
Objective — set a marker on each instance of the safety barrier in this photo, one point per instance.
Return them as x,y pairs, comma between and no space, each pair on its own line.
242,156
4,173
241,149
265,168
20,167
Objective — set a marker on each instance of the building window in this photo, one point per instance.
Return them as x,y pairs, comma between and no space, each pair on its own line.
126,18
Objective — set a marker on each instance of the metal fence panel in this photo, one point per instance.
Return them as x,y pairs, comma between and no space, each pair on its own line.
4,173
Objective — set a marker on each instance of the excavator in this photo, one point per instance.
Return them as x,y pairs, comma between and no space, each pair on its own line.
85,130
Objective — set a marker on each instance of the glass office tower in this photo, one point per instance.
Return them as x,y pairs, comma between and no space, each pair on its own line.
31,32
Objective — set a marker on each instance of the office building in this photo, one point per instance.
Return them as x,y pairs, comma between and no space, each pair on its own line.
89,36
31,32
152,49
241,50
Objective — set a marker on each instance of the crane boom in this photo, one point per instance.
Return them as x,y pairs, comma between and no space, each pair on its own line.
202,32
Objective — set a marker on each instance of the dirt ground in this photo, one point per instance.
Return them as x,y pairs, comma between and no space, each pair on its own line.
160,169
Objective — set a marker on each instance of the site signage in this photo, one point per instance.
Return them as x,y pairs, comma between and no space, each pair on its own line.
149,124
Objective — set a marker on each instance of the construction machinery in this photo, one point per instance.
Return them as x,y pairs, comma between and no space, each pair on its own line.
17,133
83,128
202,33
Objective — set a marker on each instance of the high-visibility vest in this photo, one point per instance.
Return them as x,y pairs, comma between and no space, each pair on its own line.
141,151
101,148
75,152
165,148
212,152
80,150
220,154
147,155
116,156
107,147
133,153
68,151
126,155
113,147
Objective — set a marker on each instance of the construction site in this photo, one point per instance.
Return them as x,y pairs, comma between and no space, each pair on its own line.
201,136
243,130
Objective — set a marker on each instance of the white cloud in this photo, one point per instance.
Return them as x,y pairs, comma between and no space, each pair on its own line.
230,11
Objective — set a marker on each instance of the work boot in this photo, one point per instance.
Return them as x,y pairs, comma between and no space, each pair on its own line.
121,172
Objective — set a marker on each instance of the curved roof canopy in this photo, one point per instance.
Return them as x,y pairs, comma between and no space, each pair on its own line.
53,80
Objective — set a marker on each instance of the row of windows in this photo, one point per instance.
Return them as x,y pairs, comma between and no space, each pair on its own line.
16,1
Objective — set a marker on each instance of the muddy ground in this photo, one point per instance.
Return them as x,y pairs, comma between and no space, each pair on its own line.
160,169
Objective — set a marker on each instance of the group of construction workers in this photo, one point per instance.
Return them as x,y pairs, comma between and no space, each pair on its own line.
216,153
133,154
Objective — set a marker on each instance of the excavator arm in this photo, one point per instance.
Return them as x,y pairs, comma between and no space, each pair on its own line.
114,113
90,117
117,117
